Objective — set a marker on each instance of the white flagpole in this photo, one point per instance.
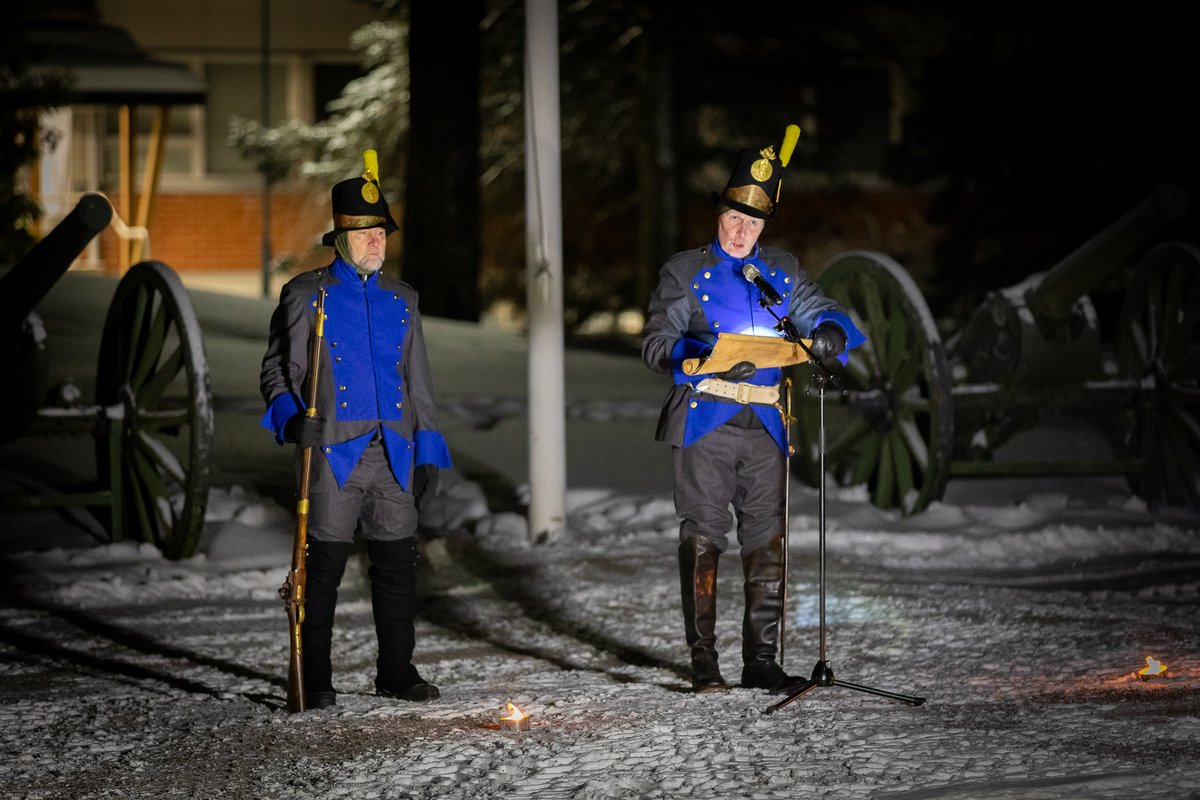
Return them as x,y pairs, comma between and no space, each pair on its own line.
544,269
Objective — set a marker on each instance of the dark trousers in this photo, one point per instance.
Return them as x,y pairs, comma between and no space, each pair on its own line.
734,466
370,501
738,466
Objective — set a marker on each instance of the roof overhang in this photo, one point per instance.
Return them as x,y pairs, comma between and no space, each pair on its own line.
102,62
146,83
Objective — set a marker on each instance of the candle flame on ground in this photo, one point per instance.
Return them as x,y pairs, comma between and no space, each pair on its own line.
514,714
1153,667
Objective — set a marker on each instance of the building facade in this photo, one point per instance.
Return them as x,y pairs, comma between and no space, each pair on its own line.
265,61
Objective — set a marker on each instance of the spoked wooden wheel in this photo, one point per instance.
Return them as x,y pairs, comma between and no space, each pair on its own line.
892,428
153,368
1158,344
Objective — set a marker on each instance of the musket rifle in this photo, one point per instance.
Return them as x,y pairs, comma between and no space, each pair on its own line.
292,591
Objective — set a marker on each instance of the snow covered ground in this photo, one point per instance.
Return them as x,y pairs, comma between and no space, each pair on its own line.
1020,612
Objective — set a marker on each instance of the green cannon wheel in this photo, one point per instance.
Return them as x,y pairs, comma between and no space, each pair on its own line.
154,373
1158,345
891,425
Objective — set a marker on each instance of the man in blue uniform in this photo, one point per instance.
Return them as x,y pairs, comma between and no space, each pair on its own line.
376,446
727,429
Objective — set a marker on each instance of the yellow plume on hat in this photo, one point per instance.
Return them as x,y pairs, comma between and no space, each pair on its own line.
790,137
370,166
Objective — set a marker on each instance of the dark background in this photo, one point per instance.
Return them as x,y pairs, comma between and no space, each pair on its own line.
975,145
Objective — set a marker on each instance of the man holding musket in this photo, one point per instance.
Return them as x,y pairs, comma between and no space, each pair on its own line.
376,446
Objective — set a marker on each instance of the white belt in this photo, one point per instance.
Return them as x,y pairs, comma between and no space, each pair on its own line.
741,392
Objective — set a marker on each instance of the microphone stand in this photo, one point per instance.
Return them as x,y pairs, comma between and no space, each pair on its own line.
822,674
785,326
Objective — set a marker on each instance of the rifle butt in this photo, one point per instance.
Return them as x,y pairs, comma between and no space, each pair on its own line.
295,685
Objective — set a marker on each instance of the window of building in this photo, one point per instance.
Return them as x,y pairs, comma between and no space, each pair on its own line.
235,90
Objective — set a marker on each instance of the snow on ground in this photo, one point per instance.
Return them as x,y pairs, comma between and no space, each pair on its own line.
1022,627
1020,611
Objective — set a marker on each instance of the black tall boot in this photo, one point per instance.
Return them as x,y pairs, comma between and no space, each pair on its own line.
324,566
393,575
698,559
763,570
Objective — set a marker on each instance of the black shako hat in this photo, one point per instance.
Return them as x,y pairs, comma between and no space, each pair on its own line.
757,178
358,203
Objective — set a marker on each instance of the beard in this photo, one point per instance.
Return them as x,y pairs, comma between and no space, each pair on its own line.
368,265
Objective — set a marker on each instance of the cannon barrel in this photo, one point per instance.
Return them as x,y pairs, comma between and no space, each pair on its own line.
32,277
1055,293
1044,331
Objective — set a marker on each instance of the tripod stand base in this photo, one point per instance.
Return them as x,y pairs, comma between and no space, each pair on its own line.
822,675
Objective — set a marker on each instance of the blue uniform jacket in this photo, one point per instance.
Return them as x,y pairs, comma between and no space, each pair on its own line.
374,375
704,292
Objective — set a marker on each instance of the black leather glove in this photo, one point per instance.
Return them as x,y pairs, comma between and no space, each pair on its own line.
740,371
425,483
828,341
304,430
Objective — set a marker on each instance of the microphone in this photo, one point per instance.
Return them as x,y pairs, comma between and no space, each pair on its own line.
754,275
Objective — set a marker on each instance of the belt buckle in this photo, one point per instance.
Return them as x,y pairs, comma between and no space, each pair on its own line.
743,393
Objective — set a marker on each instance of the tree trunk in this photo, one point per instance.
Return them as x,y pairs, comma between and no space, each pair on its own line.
442,208
658,173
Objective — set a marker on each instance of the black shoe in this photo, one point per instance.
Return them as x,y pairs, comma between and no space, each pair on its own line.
770,676
322,699
416,693
706,674
717,684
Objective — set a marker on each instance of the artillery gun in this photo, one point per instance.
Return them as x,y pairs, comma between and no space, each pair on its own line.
917,412
152,421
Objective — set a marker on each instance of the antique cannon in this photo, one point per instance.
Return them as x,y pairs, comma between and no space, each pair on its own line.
152,417
916,412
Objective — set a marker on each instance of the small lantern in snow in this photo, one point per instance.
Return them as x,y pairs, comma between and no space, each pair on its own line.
1153,669
515,719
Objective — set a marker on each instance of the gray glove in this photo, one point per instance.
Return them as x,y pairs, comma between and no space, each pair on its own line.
425,483
828,341
304,430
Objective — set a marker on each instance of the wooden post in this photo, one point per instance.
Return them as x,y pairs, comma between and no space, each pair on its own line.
125,208
158,136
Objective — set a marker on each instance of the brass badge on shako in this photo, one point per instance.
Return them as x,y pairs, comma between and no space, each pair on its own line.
370,193
761,169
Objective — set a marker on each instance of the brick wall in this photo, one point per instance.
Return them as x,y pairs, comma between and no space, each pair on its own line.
208,232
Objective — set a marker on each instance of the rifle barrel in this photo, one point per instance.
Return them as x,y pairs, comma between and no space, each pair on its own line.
298,577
